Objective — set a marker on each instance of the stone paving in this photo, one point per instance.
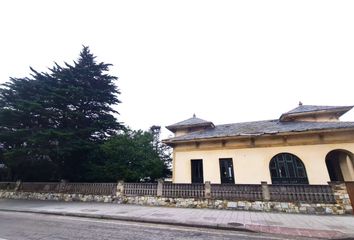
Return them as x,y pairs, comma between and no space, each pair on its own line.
321,226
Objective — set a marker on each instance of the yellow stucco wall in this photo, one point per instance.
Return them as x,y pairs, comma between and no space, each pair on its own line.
181,132
318,119
251,165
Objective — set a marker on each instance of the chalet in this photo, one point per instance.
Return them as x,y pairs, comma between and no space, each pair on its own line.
307,145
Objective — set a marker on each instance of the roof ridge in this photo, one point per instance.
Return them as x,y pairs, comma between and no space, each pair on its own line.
277,120
269,120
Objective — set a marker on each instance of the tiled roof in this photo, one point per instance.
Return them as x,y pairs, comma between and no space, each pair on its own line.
260,128
191,122
315,108
303,109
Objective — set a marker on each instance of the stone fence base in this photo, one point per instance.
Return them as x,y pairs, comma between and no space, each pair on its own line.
267,206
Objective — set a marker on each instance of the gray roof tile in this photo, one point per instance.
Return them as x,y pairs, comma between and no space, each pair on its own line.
190,122
314,108
260,128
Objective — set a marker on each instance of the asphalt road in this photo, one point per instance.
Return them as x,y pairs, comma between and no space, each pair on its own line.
39,226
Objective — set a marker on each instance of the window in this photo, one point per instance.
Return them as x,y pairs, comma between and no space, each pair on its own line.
226,170
286,168
197,171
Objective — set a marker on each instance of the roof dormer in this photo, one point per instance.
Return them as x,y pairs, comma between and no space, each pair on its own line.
192,124
312,113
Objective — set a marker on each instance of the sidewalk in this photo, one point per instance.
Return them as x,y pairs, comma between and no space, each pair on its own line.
320,226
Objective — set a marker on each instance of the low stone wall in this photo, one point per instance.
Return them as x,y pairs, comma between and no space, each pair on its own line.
341,195
342,206
57,197
266,206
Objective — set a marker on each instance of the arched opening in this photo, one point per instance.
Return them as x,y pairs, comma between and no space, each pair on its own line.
340,165
286,168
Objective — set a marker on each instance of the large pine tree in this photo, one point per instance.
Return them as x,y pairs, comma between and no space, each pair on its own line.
50,122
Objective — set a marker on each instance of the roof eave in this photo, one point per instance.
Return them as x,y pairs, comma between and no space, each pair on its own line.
173,128
172,142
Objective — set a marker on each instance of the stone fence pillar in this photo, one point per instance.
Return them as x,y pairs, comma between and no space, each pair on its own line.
341,196
120,189
159,187
207,189
18,185
265,191
62,185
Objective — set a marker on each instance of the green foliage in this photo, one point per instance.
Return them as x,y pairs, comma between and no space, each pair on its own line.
130,156
60,125
50,122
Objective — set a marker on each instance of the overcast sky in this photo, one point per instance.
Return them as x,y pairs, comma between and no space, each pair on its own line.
226,61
